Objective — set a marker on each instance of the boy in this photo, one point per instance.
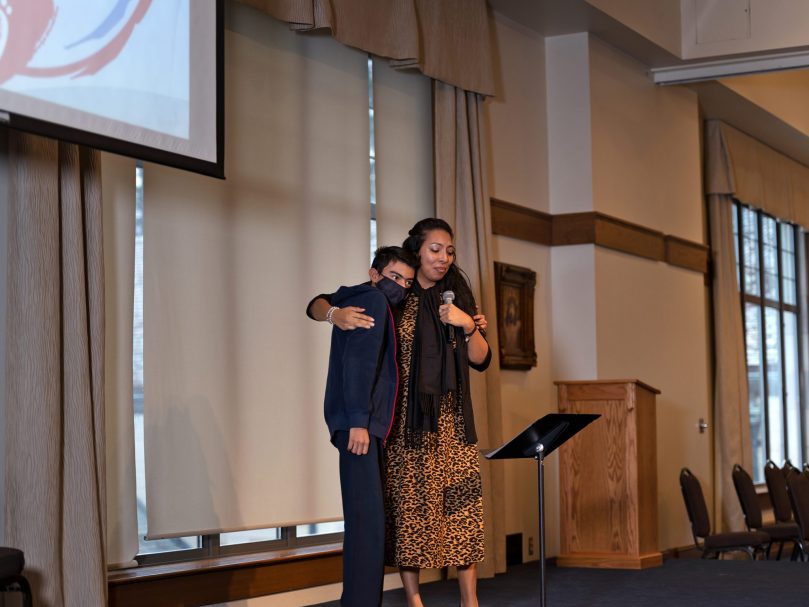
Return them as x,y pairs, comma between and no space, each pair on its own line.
360,398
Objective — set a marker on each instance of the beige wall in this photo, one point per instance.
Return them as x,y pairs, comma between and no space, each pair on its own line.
722,27
652,325
518,172
659,20
517,123
646,159
527,396
631,318
651,317
782,94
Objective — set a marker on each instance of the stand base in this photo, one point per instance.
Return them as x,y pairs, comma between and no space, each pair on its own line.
605,560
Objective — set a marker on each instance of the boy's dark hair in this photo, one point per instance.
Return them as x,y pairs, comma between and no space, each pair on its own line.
386,255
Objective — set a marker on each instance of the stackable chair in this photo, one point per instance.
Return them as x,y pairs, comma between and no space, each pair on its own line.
777,488
798,490
12,562
714,544
789,469
778,532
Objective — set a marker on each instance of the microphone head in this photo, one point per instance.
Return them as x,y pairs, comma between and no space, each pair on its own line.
447,297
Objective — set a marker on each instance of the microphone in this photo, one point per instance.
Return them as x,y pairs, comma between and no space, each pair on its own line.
448,297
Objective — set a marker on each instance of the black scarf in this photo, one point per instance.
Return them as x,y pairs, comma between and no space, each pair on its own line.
436,368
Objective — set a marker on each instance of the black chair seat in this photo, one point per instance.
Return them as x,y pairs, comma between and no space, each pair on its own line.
723,541
782,531
12,562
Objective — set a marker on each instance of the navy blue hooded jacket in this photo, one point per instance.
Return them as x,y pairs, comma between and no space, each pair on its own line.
363,377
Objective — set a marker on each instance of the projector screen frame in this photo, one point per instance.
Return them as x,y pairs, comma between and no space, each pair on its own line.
145,153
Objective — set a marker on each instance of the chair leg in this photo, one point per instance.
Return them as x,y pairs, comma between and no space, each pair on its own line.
28,597
780,549
19,583
767,552
751,553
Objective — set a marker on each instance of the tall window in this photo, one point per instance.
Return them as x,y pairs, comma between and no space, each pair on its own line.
767,270
372,154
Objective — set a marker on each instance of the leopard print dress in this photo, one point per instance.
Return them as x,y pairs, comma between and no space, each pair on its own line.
433,493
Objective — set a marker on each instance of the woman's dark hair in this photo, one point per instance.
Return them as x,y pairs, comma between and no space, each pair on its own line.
455,279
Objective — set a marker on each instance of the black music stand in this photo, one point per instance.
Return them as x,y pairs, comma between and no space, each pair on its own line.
539,440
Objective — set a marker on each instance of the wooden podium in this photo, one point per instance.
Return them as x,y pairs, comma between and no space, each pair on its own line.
608,477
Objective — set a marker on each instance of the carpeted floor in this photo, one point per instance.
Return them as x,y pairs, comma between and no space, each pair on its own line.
678,583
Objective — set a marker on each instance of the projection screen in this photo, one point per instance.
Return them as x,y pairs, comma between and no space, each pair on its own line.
143,78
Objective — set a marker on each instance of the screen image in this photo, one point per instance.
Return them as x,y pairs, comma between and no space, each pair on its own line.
138,77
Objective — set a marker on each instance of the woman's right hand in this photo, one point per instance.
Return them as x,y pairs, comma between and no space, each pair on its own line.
351,317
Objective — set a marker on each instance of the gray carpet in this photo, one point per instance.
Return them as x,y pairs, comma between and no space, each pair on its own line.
678,583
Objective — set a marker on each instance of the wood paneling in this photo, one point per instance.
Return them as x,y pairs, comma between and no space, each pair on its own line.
515,221
574,228
686,254
630,238
225,579
608,477
519,222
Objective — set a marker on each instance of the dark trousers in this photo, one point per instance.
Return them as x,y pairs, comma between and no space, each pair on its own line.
364,514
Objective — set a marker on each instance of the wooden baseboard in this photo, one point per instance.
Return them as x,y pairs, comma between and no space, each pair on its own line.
225,579
610,561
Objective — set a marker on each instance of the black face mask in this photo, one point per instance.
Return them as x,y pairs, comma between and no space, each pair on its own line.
392,290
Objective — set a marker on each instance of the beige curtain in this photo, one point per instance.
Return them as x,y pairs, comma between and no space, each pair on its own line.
118,191
756,174
462,199
447,40
54,477
731,408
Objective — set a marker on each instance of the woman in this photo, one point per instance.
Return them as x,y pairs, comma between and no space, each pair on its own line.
433,494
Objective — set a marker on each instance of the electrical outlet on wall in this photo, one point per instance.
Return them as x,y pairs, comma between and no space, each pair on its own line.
530,546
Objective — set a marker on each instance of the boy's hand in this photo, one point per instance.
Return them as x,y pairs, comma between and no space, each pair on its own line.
358,441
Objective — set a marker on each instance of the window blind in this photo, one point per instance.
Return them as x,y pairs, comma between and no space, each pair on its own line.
404,157
234,372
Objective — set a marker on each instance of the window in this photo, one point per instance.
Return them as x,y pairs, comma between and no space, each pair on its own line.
767,273
183,548
372,154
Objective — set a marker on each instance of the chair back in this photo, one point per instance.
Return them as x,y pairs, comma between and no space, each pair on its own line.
789,469
695,504
777,488
748,498
798,488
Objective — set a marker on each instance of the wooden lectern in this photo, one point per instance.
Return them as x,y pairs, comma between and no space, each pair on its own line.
608,477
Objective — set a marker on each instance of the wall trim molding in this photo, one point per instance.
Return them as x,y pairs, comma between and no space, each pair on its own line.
515,221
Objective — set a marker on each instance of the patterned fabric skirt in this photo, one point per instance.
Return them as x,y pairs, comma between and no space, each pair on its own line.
433,493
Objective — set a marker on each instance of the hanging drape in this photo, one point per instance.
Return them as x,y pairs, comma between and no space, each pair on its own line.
731,409
54,385
736,167
462,199
118,190
756,174
447,40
